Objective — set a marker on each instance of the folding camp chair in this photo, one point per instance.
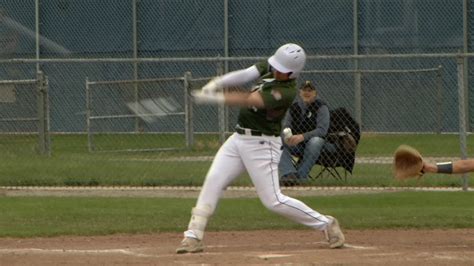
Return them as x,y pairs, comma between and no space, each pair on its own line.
343,130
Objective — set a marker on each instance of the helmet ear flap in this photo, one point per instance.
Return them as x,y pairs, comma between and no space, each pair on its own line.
294,75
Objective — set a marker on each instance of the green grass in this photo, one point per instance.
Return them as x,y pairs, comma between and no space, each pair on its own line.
52,216
380,175
71,164
428,144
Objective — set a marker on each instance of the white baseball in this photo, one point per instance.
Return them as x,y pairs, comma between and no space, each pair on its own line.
287,133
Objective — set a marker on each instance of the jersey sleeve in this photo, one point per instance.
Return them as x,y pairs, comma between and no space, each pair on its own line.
263,67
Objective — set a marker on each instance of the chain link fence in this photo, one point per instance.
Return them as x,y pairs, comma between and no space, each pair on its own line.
25,115
119,72
149,109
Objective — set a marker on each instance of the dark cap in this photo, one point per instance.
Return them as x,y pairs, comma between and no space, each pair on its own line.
308,85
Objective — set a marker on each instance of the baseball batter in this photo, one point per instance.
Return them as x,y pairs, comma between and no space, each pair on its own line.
256,145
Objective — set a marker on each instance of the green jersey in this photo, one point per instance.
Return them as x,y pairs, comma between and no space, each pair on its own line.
277,97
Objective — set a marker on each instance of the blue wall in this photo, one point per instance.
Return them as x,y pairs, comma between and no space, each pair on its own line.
184,28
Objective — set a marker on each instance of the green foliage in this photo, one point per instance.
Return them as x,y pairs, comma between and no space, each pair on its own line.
48,216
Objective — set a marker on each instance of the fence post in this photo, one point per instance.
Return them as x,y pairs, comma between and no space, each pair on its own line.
358,96
188,112
466,28
357,73
90,147
462,116
47,116
43,132
439,99
136,90
226,62
221,111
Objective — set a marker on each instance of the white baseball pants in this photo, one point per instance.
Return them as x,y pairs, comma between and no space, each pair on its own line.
259,155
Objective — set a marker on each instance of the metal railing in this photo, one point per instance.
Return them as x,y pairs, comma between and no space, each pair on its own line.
41,119
147,108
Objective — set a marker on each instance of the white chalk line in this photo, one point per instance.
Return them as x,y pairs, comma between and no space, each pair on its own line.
72,251
283,254
136,253
455,258
440,255
383,254
230,188
358,247
358,160
270,244
426,255
272,256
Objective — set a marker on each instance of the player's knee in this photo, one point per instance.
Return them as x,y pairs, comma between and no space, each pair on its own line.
274,204
315,143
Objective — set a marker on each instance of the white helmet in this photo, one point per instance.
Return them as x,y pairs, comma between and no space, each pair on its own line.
288,58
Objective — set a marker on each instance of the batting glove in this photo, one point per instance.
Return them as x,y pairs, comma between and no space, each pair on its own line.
212,86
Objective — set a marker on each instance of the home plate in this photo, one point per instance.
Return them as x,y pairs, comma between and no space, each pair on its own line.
271,256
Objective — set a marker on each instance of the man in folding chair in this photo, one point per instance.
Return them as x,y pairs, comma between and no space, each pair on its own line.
344,132
308,118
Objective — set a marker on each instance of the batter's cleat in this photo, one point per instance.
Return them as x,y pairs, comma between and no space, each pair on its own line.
190,245
334,234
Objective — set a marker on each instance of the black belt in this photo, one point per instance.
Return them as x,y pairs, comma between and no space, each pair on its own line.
253,132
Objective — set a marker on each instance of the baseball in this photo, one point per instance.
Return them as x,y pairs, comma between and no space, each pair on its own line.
287,133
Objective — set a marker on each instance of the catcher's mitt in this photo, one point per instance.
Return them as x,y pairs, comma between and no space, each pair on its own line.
407,162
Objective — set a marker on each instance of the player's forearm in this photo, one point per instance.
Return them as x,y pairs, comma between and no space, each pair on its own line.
458,167
287,120
235,98
463,166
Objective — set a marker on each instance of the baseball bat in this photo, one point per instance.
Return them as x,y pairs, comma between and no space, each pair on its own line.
150,109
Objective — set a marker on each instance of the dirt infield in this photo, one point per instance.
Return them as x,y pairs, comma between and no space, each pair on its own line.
370,247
